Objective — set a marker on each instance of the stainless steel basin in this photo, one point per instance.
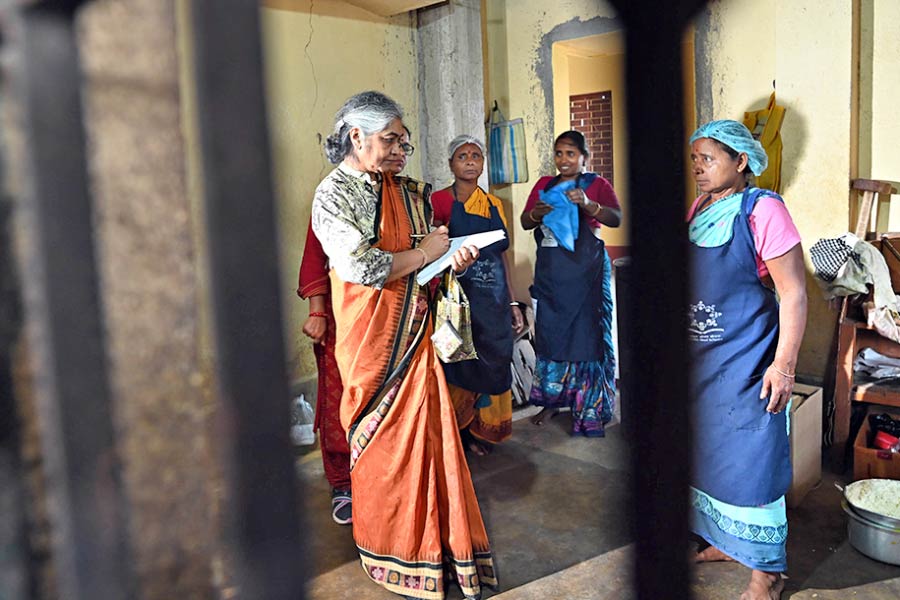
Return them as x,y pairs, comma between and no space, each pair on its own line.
875,540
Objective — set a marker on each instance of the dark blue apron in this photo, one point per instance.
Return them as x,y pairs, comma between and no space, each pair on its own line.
485,286
741,453
568,287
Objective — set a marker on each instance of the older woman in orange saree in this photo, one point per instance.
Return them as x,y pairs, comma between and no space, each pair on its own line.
416,521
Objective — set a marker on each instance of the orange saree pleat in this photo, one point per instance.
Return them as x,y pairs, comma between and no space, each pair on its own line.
416,520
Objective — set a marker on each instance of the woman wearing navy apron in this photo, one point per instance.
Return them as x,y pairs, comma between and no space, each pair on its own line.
575,365
480,388
744,344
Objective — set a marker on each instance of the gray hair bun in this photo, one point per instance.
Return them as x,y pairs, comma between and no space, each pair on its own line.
370,111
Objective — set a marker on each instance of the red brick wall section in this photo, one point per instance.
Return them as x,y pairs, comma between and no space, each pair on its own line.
591,114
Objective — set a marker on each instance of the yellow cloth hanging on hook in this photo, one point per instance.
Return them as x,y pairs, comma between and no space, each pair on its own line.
765,125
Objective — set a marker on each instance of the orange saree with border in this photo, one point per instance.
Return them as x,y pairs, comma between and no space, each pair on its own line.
416,521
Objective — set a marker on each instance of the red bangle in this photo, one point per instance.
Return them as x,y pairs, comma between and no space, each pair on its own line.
318,314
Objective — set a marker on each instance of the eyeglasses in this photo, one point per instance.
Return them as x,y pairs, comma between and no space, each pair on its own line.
407,148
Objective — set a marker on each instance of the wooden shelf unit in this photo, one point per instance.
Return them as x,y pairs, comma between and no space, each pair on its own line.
854,334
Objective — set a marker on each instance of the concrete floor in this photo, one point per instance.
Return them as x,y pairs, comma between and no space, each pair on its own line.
554,507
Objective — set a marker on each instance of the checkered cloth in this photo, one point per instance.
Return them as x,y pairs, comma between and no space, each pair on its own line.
829,256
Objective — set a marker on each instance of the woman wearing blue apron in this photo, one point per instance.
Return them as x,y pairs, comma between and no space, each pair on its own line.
480,388
573,318
744,345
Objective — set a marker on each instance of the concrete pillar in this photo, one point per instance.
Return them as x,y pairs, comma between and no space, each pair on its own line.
146,246
451,80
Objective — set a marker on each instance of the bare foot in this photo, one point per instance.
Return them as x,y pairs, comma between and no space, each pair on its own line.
712,554
478,447
473,444
545,413
764,586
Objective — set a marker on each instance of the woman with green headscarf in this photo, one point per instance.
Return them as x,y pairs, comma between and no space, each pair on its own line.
744,343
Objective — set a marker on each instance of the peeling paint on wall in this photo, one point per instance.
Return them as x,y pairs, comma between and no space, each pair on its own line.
543,67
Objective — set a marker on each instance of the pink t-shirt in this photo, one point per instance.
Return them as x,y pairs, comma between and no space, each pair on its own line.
774,232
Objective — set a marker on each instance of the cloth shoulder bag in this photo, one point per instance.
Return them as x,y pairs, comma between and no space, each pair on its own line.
452,335
507,162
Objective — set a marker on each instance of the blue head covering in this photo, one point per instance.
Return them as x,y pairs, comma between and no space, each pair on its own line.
737,137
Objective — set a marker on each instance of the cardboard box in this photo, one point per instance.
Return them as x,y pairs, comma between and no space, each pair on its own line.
806,442
870,462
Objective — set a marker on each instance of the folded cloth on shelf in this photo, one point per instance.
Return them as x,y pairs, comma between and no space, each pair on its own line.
884,321
874,364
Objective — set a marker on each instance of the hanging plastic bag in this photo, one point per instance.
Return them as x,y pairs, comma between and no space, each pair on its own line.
302,422
507,162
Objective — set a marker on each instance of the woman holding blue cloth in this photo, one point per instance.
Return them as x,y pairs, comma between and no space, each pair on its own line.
744,343
480,388
573,316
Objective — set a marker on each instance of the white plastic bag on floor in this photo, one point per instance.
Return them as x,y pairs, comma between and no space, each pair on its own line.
523,360
302,422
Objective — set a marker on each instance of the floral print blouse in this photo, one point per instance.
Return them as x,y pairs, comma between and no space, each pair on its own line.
343,218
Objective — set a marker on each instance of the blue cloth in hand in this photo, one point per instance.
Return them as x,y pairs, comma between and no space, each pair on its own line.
563,219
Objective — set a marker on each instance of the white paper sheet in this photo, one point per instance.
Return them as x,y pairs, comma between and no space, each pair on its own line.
479,240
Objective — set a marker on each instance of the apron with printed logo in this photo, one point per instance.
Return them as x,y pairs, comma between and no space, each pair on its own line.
741,453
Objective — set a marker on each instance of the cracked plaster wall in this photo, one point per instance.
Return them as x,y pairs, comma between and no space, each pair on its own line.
317,54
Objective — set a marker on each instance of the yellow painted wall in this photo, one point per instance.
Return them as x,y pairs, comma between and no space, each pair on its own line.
516,30
741,56
309,75
885,91
689,89
806,46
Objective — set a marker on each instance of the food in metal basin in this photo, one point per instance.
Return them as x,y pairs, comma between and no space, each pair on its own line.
881,496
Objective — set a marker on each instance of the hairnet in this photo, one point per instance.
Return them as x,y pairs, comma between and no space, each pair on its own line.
737,137
462,140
